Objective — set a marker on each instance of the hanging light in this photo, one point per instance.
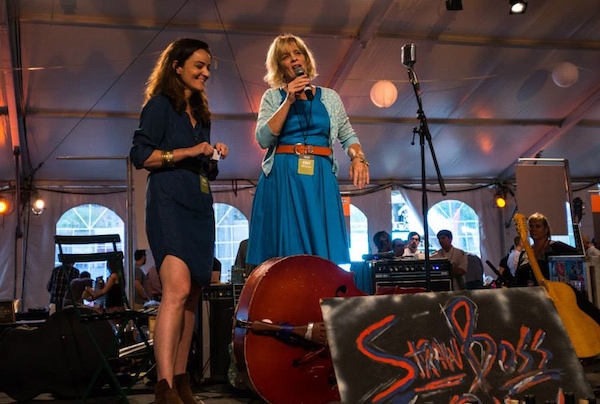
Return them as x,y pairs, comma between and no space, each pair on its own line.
4,206
500,196
500,201
517,7
38,205
565,74
384,93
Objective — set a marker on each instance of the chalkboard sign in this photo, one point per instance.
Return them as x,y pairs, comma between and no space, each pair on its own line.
479,346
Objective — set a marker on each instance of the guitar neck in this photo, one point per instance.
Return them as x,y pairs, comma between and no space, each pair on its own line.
535,267
578,238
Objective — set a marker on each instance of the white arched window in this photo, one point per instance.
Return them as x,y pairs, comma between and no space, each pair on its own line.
460,219
404,219
89,219
231,229
359,234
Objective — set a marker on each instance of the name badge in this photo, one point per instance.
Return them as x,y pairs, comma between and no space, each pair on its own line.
306,164
204,187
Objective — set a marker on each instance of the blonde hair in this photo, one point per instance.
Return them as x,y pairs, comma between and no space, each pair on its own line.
538,217
275,76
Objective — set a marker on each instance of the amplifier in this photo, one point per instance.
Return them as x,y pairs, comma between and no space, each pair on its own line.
7,311
224,291
213,331
410,273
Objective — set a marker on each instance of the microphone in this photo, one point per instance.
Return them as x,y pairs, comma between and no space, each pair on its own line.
299,71
409,55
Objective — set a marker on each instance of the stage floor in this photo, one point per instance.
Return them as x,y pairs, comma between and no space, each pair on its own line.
222,393
143,394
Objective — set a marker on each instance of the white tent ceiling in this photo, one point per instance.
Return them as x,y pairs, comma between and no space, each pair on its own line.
73,72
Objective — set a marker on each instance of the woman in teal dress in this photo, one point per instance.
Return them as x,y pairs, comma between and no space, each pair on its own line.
297,206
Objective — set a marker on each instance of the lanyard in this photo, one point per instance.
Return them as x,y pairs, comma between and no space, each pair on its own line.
302,128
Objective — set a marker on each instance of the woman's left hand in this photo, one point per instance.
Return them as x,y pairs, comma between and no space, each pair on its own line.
359,172
222,149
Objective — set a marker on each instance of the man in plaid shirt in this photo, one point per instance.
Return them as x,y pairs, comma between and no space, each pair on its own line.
58,284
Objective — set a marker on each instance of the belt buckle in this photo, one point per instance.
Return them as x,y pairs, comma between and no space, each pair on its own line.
296,152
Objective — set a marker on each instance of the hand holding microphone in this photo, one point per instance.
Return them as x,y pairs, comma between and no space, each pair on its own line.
299,71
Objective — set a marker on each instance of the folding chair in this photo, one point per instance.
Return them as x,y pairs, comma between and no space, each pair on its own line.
144,349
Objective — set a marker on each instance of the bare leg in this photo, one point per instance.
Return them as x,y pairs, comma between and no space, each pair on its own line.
181,378
169,329
189,323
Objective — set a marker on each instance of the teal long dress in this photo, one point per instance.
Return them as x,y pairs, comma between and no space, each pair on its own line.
295,213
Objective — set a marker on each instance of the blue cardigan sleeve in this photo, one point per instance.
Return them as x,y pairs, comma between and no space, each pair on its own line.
270,102
341,128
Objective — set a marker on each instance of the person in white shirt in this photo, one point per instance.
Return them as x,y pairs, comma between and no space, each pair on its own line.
515,255
456,256
412,245
590,248
398,246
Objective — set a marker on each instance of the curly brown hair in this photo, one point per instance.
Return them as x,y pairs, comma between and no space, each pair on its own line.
164,80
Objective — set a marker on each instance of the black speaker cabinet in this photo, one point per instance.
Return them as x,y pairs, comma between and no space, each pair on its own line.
213,332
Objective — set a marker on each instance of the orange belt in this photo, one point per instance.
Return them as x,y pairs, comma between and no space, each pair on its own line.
302,149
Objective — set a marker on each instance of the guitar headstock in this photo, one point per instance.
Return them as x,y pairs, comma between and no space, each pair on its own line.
521,223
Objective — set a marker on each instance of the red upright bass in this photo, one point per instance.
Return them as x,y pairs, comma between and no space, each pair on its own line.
279,340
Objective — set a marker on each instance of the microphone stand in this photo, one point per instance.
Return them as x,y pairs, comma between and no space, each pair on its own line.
424,134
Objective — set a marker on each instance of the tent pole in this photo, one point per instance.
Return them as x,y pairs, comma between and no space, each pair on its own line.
129,231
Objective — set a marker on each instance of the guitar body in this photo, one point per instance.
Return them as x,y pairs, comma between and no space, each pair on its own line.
582,328
288,291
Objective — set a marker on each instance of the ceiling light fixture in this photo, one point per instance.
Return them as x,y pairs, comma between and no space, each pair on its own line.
4,205
565,74
517,6
384,93
38,206
454,5
500,200
500,192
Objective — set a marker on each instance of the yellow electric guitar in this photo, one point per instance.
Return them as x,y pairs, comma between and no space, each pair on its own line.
583,330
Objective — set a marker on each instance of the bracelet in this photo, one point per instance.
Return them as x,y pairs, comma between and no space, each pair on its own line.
361,159
309,331
167,158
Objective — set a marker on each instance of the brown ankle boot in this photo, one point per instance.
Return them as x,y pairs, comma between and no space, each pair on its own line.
184,389
165,394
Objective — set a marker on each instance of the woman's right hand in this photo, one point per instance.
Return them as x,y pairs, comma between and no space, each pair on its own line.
295,87
203,148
